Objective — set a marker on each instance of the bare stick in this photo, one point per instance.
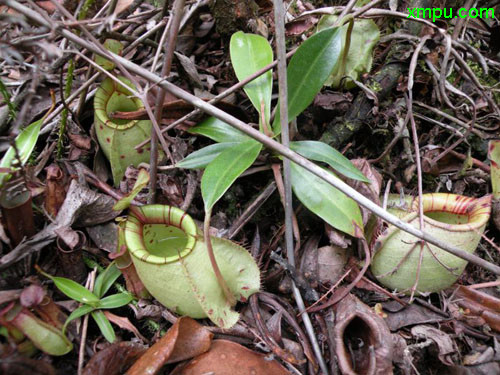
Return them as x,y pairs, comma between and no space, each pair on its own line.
279,21
160,97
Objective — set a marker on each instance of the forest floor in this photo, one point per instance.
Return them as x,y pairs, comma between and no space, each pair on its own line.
413,104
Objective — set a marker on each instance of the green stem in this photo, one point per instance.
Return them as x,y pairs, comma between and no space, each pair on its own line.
345,52
206,237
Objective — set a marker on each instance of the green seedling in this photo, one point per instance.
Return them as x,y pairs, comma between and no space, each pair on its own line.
234,152
93,302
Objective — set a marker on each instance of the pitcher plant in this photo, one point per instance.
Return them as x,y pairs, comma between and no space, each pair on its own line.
171,258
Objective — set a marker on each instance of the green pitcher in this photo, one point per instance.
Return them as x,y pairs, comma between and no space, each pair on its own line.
118,138
171,259
455,219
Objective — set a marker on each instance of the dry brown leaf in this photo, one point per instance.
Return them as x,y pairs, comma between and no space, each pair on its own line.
124,323
15,364
114,360
55,192
443,341
185,339
479,304
228,358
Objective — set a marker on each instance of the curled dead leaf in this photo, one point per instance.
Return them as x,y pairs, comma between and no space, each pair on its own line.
479,304
363,342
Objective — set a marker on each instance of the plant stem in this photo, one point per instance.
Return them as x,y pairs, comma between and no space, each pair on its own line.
206,238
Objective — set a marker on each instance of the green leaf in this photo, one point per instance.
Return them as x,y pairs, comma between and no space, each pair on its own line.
218,131
106,279
225,169
250,53
74,290
25,142
330,204
80,311
115,300
308,69
322,152
140,183
104,325
364,36
201,158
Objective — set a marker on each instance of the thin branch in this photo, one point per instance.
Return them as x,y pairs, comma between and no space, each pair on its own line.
279,21
173,31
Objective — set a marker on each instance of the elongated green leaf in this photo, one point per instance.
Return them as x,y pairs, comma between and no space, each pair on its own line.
201,158
330,204
218,131
81,311
225,169
115,300
250,53
74,290
105,279
140,183
308,69
25,142
104,325
320,151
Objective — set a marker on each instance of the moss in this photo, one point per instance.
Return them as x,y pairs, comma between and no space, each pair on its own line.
349,126
375,86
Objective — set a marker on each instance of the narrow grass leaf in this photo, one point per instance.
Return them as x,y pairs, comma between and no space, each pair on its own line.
104,325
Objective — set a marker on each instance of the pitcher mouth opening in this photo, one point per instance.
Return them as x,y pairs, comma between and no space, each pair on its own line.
112,97
160,234
453,212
